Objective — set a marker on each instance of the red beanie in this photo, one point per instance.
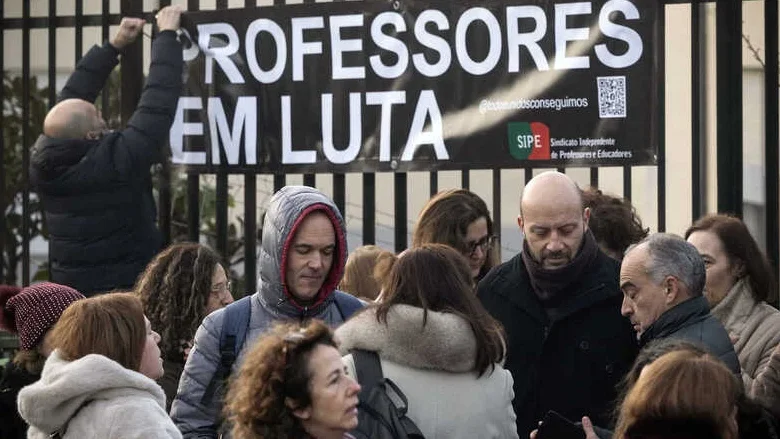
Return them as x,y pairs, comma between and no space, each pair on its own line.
32,311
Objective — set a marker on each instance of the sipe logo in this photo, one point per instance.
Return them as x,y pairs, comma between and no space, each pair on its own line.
529,140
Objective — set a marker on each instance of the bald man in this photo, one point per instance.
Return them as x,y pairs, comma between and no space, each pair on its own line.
95,184
559,301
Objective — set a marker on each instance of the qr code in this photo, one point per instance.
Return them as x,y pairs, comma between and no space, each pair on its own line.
612,96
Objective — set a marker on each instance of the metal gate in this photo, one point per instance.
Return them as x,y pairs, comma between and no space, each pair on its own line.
21,208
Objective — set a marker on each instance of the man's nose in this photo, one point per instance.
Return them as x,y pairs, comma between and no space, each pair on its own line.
625,308
555,242
316,261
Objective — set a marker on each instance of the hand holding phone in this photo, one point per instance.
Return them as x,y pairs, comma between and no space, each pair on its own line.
555,426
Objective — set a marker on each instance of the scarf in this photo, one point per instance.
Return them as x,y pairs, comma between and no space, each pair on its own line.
548,284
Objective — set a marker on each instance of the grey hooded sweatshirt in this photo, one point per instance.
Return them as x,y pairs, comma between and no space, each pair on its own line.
272,302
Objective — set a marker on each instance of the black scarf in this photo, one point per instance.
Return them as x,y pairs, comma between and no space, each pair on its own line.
548,284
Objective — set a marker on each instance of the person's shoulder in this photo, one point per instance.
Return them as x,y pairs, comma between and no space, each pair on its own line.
511,269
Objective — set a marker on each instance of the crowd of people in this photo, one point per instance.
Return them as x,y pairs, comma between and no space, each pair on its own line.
596,329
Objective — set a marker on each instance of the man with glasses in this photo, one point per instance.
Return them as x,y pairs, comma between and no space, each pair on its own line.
559,301
96,184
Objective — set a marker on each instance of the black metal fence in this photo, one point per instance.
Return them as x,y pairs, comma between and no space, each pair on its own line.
729,71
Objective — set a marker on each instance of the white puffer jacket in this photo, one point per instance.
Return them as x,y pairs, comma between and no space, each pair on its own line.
97,398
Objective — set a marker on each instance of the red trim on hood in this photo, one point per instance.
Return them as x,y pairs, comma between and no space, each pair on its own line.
336,270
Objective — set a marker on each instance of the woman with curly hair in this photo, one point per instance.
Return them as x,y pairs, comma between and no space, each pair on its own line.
460,219
292,384
179,288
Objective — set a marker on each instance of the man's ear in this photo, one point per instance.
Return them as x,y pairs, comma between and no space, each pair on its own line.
300,413
586,216
672,290
520,221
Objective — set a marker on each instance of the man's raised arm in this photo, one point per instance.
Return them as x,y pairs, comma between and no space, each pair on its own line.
93,69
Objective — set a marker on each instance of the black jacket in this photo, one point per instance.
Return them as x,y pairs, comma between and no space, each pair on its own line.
97,194
12,426
691,320
571,362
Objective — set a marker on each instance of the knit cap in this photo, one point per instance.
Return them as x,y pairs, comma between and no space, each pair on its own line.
33,310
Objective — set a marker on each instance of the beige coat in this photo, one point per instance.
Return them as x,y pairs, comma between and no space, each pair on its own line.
755,329
432,367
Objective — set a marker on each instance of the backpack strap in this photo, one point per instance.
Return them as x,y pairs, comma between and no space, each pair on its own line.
235,324
368,369
346,304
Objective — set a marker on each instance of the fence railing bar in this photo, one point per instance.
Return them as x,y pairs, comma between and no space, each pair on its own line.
401,211
433,182
2,147
772,139
661,116
65,21
697,181
369,208
250,232
340,192
627,182
25,151
728,42
594,177
496,174
465,179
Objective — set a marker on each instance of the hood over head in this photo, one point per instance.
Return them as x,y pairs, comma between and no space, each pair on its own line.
287,209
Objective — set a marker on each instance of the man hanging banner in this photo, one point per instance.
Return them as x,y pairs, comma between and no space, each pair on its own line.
406,85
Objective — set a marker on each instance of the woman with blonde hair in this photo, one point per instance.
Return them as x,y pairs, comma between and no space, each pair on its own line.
681,395
292,385
459,218
360,272
99,380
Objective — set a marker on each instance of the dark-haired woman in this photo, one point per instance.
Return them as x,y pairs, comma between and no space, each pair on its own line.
739,282
292,385
179,288
459,218
437,343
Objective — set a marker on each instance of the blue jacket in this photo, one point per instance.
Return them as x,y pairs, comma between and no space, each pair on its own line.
269,304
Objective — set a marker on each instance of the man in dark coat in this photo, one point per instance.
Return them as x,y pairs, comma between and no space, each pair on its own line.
95,184
559,302
662,279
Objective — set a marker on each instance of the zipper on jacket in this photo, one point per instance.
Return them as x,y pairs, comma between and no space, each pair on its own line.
304,314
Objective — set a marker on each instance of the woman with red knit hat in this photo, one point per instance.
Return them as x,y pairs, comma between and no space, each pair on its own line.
29,313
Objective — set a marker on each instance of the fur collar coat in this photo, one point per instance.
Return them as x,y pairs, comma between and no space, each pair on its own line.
432,364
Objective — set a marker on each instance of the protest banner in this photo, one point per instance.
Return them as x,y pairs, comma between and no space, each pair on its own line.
369,86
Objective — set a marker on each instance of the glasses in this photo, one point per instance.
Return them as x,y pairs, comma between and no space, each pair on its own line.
221,287
485,244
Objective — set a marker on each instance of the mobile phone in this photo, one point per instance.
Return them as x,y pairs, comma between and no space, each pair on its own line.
555,426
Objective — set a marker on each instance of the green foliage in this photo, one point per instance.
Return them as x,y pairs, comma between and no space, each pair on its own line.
14,126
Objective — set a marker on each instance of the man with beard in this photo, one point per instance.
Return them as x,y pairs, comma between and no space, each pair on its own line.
559,302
